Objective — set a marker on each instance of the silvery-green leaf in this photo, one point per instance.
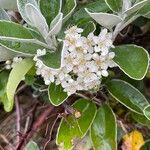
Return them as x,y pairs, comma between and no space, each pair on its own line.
50,9
147,15
8,4
105,19
37,19
6,54
126,4
68,9
136,7
147,112
56,25
32,146
21,7
114,5
3,15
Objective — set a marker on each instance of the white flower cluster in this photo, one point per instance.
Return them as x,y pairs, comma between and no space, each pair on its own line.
85,60
10,64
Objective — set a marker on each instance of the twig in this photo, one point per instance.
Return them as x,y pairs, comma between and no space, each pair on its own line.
35,127
20,89
6,141
27,125
51,132
17,119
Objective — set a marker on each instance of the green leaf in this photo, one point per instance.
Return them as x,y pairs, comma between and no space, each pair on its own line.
53,59
37,19
56,94
3,15
88,28
145,11
81,14
132,60
21,7
15,77
50,9
114,5
136,7
104,129
71,128
105,19
147,112
3,82
6,54
56,25
9,4
68,8
32,146
17,38
127,95
141,119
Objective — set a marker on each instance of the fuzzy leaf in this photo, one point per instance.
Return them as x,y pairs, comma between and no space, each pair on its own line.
76,128
56,25
32,146
104,130
105,19
127,95
20,34
50,9
141,119
81,15
114,5
36,18
21,7
6,54
147,112
15,77
4,15
68,8
53,59
136,7
132,60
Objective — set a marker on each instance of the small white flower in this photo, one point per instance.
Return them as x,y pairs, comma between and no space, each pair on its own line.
85,61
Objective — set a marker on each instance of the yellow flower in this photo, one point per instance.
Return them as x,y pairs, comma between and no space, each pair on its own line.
133,141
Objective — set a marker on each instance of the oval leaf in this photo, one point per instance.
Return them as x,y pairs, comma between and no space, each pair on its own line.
76,128
32,146
56,94
18,39
15,77
127,95
105,19
136,7
147,112
4,15
132,60
68,8
6,54
114,5
21,7
50,9
56,25
53,59
104,129
37,20
141,119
